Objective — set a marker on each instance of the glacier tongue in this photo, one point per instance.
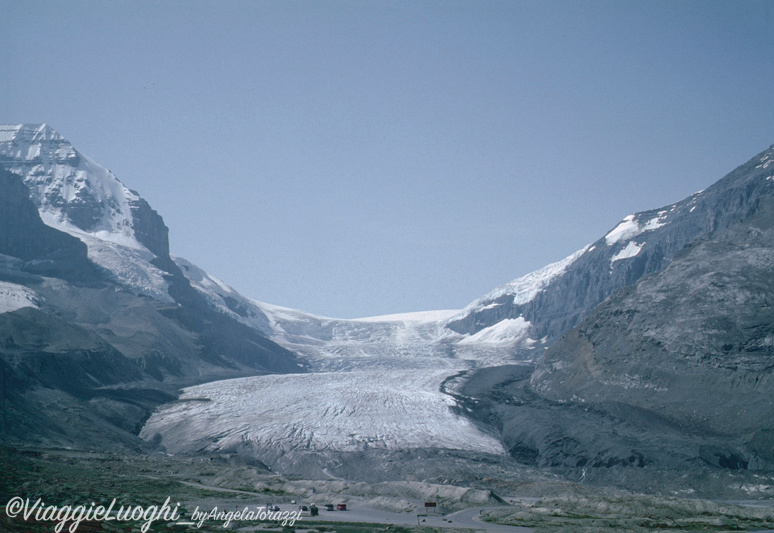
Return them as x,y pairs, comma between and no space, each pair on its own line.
378,384
328,411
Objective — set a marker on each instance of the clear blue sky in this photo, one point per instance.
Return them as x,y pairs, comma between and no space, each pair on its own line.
354,158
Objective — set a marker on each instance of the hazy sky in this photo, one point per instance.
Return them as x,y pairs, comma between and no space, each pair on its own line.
354,158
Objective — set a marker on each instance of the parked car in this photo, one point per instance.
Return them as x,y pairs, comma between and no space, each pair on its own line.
342,507
329,507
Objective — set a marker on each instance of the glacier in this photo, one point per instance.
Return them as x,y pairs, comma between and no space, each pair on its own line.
375,383
327,411
13,297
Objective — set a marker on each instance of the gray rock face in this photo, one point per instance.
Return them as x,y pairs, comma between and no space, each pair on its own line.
641,244
149,227
43,249
674,373
693,345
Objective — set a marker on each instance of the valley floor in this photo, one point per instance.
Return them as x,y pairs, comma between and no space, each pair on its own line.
194,485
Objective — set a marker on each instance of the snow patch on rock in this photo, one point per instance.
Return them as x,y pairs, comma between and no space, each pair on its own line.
525,288
630,250
629,228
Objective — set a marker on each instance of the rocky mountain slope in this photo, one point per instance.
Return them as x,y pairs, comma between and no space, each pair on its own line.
556,298
99,324
692,347
673,373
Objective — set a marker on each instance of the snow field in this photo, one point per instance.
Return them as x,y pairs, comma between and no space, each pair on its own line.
629,228
505,333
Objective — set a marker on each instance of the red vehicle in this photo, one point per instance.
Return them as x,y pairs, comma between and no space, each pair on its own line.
342,507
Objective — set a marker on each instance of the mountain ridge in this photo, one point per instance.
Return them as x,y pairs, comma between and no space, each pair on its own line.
102,327
671,373
641,243
85,262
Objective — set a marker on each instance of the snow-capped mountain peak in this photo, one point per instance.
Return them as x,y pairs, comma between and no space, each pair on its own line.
72,192
76,195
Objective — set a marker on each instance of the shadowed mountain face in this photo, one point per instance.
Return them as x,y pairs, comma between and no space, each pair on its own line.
675,372
40,248
97,324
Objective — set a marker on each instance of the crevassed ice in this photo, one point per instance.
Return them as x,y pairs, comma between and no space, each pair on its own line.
131,266
337,411
13,297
